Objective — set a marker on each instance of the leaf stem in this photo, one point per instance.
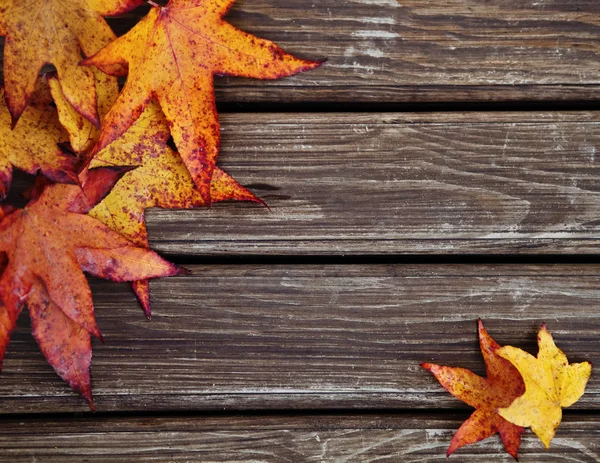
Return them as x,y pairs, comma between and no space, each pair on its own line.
153,3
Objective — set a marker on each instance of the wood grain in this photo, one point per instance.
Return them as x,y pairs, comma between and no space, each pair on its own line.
415,51
400,183
406,437
307,337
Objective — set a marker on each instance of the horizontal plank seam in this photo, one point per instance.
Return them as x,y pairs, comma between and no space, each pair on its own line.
458,123
320,107
483,259
366,412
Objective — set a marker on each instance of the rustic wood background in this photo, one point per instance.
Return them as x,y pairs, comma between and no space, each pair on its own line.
442,166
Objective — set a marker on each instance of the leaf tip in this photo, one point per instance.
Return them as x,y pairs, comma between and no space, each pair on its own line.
480,326
141,288
96,332
85,390
452,448
310,65
181,271
261,203
13,120
544,332
91,404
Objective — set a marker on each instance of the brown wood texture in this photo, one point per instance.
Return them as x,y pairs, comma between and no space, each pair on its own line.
314,337
288,339
414,51
407,438
400,183
422,51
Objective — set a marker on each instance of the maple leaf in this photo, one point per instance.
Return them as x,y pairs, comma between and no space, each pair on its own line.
66,345
551,384
500,387
33,145
55,32
172,55
160,180
47,246
83,135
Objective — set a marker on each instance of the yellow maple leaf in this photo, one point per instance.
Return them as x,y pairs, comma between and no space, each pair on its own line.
551,384
160,179
33,144
55,32
82,133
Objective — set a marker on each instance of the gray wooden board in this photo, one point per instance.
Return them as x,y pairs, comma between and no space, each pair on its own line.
406,437
415,51
297,336
442,183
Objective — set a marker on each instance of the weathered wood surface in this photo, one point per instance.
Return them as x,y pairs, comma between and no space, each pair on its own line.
340,337
442,183
417,50
297,336
403,437
414,51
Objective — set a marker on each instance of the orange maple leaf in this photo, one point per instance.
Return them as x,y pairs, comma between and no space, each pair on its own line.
47,246
33,144
159,180
501,386
56,32
172,55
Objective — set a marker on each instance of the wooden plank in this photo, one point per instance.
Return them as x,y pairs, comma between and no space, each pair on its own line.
341,438
444,183
301,336
415,51
418,51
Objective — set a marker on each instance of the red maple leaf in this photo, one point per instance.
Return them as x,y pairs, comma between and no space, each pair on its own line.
502,384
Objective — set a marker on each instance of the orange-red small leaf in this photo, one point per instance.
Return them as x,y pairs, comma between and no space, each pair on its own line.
502,385
46,244
66,345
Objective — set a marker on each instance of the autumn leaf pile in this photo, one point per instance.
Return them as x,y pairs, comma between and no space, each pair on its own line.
519,391
102,155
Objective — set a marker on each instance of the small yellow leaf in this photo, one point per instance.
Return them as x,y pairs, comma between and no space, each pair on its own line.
550,385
